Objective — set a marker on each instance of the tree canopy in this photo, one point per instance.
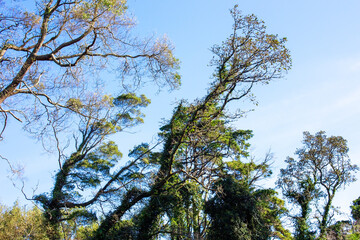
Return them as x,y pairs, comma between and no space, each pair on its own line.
322,169
198,179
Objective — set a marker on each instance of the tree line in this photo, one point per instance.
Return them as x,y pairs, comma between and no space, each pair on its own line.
199,180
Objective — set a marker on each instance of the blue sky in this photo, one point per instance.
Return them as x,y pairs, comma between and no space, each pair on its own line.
320,92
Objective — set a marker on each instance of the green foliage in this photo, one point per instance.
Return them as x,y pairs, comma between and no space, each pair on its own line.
86,232
84,11
123,229
235,213
18,223
248,172
272,209
355,209
341,230
89,172
74,103
353,236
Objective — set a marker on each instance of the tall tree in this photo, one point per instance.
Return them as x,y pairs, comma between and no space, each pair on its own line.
90,165
142,193
322,168
197,138
53,53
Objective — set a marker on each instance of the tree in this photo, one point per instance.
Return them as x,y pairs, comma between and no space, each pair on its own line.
355,209
158,182
197,138
300,190
52,57
19,223
237,211
322,169
234,213
89,166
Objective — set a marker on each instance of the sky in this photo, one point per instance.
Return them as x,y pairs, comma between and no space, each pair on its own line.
320,92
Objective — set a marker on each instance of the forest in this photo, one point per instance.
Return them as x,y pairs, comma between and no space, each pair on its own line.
197,179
